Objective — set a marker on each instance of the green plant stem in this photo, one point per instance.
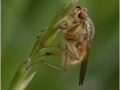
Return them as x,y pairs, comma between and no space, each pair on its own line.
20,81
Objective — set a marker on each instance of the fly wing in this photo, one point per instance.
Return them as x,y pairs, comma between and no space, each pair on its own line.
83,70
84,55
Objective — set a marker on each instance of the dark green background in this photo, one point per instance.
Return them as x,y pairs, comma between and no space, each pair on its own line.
22,21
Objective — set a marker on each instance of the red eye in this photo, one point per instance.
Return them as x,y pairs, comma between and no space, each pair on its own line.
82,15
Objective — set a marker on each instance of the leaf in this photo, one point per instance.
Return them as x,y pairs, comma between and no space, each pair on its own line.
24,84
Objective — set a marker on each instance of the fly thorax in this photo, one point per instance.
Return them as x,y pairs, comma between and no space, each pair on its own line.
82,30
90,28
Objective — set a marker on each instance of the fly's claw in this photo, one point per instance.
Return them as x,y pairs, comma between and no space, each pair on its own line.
38,37
61,27
48,53
59,45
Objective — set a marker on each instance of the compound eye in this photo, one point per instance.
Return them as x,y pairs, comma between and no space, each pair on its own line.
82,15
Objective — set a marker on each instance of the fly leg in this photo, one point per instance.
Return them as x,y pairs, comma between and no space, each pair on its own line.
68,56
68,27
66,63
46,63
71,50
71,53
71,29
50,65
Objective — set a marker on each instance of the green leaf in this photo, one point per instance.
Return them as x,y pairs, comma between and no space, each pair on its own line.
24,84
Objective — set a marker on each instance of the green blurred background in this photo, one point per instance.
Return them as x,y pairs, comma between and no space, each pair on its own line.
22,21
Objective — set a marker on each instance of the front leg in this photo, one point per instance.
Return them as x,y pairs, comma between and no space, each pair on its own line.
70,29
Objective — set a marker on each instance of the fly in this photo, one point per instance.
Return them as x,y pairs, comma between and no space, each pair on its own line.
79,33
